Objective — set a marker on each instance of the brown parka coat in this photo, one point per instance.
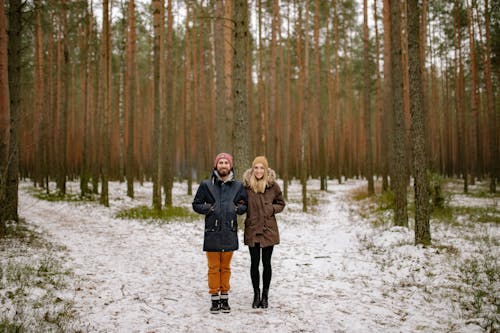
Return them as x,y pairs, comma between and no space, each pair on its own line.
260,223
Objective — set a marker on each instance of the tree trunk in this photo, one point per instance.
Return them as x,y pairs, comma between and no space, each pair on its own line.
303,105
474,117
378,119
274,129
157,5
399,164
188,84
228,68
242,146
336,109
366,104
39,91
493,167
10,203
106,107
4,118
170,116
286,70
86,40
222,138
459,97
62,170
388,122
319,107
418,133
131,91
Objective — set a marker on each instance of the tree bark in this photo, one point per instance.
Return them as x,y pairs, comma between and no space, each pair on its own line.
493,167
303,55
378,119
366,104
38,95
242,146
157,5
170,143
399,164
474,117
418,132
86,40
62,170
274,129
10,203
131,92
462,156
4,117
188,85
388,122
106,70
222,134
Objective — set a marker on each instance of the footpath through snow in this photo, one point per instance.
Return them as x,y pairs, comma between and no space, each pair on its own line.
135,276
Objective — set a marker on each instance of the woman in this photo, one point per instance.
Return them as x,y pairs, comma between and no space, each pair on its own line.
261,229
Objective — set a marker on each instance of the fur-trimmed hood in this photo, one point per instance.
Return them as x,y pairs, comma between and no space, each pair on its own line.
271,177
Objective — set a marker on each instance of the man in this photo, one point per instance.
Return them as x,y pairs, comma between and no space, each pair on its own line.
220,199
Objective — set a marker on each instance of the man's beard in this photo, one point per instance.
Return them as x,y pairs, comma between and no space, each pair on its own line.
223,172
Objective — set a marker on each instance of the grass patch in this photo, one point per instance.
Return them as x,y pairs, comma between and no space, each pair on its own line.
444,214
483,194
19,232
479,292
450,214
386,201
166,214
32,282
42,194
55,197
9,327
449,249
312,199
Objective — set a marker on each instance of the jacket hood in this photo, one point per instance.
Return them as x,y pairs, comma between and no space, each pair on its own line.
271,177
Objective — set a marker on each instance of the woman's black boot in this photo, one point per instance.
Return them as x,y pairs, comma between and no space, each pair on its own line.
263,301
256,298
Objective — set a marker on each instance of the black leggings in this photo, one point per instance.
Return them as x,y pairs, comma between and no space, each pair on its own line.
267,252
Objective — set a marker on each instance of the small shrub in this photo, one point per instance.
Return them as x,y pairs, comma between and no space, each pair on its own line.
437,197
312,199
444,214
386,201
359,194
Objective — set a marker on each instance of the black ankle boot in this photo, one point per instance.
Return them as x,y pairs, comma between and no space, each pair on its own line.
224,303
215,308
263,302
256,298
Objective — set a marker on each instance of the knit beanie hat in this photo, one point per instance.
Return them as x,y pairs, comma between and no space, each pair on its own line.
262,160
225,156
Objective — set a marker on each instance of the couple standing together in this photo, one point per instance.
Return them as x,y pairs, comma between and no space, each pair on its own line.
221,198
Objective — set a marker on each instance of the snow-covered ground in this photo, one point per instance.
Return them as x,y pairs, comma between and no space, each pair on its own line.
333,271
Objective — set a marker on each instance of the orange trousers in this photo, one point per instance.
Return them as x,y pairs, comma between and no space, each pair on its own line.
219,271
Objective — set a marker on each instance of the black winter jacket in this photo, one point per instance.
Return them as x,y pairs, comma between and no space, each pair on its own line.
220,202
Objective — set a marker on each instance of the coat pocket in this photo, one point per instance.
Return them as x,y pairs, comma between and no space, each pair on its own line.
234,226
212,223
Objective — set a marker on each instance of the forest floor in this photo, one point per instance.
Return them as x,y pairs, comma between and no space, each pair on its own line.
74,266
